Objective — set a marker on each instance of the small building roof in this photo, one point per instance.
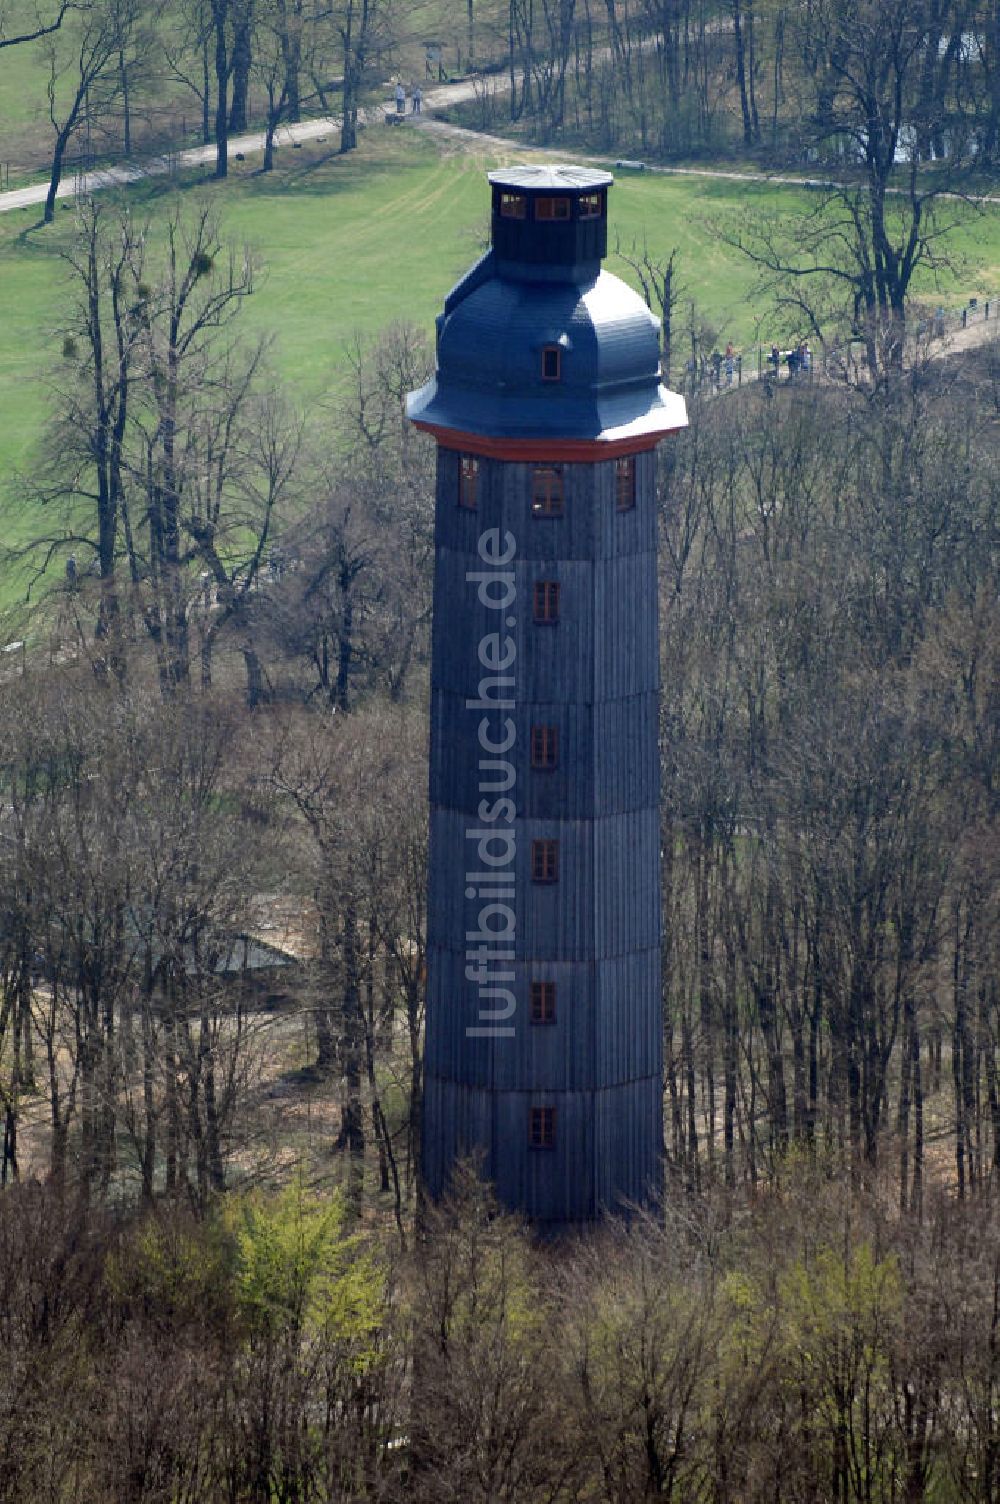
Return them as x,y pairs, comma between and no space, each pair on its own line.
552,176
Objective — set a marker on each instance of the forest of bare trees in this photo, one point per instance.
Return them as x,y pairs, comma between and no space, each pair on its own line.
828,84
804,1346
829,736
829,742
828,80
230,720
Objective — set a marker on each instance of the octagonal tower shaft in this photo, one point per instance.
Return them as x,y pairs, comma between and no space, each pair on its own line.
543,1039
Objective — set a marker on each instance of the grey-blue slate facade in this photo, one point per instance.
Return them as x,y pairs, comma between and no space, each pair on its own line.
544,1030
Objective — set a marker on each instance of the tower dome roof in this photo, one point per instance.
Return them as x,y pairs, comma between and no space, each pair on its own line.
536,343
490,380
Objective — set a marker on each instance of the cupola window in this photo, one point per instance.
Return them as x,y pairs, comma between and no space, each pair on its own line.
552,208
468,482
625,483
513,206
551,363
590,205
547,491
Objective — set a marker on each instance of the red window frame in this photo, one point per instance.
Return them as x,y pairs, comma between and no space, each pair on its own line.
468,482
513,206
543,1002
542,1127
625,483
555,207
551,363
546,602
547,491
545,747
545,861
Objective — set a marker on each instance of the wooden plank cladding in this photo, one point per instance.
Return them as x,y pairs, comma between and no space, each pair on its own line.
544,1031
593,930
590,527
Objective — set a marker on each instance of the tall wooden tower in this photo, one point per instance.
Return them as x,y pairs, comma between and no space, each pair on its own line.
543,1048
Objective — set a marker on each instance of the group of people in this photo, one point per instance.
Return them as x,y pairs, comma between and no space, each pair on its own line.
727,365
416,99
798,360
724,369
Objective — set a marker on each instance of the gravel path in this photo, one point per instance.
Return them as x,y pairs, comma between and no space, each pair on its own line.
199,156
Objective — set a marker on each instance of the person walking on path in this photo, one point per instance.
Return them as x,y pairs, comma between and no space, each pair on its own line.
400,99
417,99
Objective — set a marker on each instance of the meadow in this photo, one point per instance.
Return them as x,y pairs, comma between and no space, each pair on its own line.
350,244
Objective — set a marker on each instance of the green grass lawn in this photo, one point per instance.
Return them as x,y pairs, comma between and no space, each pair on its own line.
351,244
25,131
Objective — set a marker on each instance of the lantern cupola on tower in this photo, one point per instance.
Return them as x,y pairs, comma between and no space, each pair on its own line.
550,224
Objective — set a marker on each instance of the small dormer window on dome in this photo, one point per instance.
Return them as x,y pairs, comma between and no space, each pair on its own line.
551,363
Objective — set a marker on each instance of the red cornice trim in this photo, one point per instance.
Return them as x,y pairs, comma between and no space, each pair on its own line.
587,451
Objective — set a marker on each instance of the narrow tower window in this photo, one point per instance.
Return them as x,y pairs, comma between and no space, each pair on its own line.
545,747
547,491
546,600
545,861
468,482
625,483
552,208
542,1127
513,206
543,1002
551,363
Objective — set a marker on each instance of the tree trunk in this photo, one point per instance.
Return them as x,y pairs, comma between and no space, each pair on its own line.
126,106
352,1127
220,12
150,1112
206,92
345,651
741,70
55,172
355,38
255,678
291,54
240,64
